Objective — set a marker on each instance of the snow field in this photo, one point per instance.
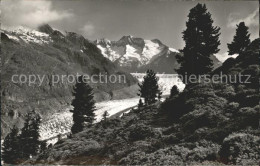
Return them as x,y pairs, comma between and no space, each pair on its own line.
28,35
61,123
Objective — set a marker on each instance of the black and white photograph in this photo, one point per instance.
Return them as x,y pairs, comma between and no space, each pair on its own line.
130,82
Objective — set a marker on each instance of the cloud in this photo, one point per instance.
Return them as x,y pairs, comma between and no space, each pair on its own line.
251,20
224,56
30,13
88,29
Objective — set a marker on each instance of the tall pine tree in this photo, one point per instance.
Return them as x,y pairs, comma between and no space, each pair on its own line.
201,41
43,146
10,153
241,40
84,105
149,89
29,137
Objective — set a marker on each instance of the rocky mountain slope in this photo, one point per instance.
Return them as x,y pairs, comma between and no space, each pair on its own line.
134,54
43,54
207,124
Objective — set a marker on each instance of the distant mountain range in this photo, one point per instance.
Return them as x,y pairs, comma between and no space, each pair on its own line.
135,54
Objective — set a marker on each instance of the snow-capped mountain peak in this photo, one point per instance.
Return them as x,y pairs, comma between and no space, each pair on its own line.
131,40
152,49
127,37
132,52
27,35
103,41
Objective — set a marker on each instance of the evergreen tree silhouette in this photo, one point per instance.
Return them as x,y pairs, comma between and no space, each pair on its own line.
84,105
201,41
29,137
10,153
174,91
149,88
43,146
140,104
35,132
159,96
105,116
241,40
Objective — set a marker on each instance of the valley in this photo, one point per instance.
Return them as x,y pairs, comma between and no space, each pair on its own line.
60,123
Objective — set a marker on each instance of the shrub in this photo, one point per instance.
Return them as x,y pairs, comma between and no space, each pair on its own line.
241,149
175,107
253,71
176,155
140,132
224,90
232,107
249,116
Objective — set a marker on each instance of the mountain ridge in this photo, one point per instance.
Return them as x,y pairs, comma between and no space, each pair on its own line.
47,52
130,52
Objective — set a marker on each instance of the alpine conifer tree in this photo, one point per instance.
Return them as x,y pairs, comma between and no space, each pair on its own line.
29,137
159,96
10,151
35,133
43,146
174,91
201,41
140,104
241,40
105,116
84,105
149,89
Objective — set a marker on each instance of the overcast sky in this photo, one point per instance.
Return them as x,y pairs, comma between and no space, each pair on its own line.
111,19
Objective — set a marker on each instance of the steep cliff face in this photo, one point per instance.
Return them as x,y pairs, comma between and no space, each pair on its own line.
45,55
